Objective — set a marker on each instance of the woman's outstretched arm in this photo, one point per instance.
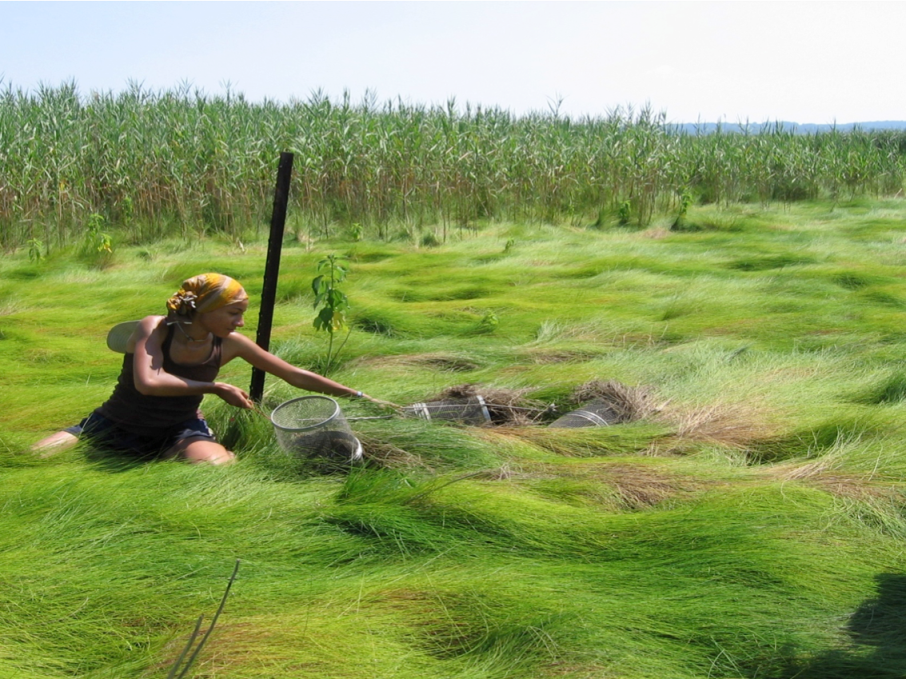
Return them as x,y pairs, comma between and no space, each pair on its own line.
246,349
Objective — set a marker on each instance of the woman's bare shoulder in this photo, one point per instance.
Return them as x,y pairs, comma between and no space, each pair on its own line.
147,328
151,323
236,344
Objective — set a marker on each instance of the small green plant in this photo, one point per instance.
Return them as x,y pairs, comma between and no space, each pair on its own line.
356,231
680,221
510,244
35,250
127,210
96,246
600,220
624,213
96,237
430,240
488,323
332,302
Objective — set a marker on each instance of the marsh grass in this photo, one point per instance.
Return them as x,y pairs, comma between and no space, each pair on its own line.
745,520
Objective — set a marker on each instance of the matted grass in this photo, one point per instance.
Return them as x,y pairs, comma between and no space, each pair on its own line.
745,520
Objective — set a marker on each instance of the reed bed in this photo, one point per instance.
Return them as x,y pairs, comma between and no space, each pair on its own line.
139,165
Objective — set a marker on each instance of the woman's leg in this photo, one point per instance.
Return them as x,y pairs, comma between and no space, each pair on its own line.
55,443
200,449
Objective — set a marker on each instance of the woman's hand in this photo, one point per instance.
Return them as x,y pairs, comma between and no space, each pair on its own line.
233,395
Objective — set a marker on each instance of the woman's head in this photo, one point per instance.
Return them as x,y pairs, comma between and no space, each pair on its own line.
204,293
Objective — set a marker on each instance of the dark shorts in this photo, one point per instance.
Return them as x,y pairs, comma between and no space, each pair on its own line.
110,436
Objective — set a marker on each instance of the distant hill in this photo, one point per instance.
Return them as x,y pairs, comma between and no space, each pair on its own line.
797,128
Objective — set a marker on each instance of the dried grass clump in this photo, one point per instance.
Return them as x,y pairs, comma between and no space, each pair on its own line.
574,442
853,487
620,486
388,455
432,361
502,473
640,487
443,362
823,474
731,425
554,357
628,403
656,233
800,471
574,671
505,406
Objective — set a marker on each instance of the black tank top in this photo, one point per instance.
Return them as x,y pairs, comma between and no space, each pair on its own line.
151,415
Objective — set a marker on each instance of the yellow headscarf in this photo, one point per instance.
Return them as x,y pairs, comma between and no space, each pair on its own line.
207,292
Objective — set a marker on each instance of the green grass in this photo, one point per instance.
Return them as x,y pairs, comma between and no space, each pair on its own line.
750,525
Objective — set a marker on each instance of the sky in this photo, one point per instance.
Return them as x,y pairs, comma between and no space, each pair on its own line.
803,62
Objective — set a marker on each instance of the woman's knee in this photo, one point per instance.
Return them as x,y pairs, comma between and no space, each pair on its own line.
203,450
221,457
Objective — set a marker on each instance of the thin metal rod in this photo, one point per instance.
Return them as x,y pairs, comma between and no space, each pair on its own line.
434,405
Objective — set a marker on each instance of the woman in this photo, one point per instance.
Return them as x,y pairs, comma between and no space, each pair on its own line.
171,362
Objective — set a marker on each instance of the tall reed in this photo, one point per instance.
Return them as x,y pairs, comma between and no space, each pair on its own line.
182,161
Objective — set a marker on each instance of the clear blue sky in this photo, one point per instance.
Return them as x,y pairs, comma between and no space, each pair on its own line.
805,62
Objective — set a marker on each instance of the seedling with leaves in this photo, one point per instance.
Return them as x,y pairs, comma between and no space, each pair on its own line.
332,302
680,221
624,213
96,246
35,250
97,239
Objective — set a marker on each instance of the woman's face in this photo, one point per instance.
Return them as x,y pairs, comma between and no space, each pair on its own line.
221,322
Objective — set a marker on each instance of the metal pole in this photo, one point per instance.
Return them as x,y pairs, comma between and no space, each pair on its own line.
272,268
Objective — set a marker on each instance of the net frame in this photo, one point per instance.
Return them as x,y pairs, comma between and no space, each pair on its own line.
325,433
324,400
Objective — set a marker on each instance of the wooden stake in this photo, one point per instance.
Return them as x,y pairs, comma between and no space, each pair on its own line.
272,268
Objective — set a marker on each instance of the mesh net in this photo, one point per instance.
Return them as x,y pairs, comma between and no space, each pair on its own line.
315,426
304,412
472,410
598,413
